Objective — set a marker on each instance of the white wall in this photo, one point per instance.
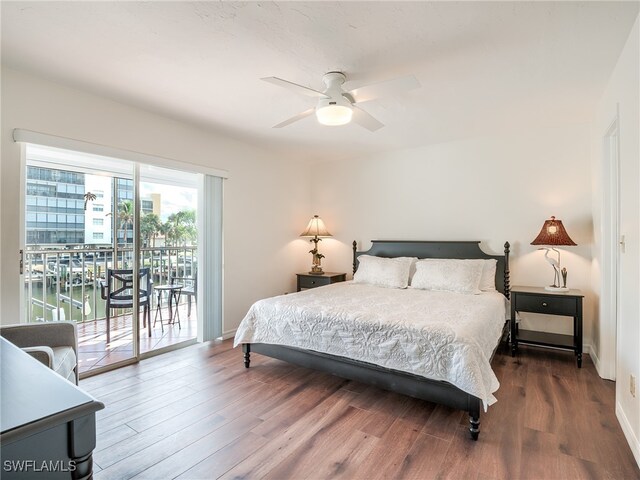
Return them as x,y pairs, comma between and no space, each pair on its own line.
492,189
622,94
266,199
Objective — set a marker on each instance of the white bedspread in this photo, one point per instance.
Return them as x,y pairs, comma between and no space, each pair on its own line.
439,335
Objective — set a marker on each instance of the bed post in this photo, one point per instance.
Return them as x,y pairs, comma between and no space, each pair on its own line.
355,247
507,274
474,418
246,349
474,426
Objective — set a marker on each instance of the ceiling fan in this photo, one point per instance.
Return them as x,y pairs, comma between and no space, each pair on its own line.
337,106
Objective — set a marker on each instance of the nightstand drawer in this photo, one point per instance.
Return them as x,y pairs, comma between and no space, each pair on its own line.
308,280
311,282
546,304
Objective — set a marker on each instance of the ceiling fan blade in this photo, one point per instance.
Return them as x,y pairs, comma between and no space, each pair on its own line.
294,87
299,116
385,88
365,120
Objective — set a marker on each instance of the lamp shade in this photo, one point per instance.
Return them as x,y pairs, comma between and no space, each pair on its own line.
553,233
315,228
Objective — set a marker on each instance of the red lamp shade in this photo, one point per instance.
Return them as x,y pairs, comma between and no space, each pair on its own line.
553,234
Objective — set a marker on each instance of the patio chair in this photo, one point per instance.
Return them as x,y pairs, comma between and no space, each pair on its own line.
189,288
53,343
117,291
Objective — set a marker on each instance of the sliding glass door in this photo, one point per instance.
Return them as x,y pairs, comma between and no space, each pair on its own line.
78,232
112,246
169,248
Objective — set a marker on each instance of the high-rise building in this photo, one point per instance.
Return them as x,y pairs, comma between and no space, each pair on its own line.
97,221
56,211
54,206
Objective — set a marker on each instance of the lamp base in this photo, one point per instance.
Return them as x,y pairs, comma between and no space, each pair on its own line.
551,288
316,270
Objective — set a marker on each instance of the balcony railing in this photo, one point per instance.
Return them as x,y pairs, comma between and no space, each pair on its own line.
65,283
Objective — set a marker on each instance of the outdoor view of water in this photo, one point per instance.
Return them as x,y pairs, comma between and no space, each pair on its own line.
92,300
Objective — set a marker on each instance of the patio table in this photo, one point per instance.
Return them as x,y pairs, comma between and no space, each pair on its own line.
174,295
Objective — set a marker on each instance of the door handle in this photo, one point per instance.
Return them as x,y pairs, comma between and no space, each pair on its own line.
21,261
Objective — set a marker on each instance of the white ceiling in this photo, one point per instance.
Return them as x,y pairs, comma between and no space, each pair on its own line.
485,67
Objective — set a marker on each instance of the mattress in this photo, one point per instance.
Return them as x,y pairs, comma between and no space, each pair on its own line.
438,335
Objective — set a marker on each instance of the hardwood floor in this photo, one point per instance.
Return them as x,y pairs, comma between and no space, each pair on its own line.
198,413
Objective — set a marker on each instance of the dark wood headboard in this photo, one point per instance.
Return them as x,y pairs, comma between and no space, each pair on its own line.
436,249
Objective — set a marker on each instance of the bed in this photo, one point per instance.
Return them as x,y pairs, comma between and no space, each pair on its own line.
442,362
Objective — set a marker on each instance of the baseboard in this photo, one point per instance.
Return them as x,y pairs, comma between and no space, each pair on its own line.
600,366
229,334
588,349
632,440
596,360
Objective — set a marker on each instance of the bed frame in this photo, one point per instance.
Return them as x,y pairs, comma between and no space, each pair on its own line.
401,382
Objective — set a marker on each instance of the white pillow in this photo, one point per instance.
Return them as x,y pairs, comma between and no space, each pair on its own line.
448,275
488,278
384,272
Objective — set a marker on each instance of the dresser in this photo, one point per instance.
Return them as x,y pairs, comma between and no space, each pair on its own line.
48,424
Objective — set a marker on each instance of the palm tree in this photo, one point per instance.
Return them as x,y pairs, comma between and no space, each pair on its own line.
165,230
173,228
187,222
88,197
180,227
150,227
125,217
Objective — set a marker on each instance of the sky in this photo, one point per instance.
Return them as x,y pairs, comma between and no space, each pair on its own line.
172,198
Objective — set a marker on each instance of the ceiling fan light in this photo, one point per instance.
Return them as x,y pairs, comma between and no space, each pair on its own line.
334,115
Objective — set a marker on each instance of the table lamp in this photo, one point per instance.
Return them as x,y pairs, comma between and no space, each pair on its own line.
553,234
316,229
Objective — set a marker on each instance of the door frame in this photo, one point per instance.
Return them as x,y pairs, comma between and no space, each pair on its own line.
23,222
611,241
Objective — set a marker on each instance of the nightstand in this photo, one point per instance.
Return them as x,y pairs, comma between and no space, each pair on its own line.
309,280
539,300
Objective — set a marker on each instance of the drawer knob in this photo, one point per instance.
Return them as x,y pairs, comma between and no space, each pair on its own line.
544,304
313,282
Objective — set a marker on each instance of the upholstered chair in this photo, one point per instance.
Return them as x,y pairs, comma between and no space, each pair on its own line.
53,343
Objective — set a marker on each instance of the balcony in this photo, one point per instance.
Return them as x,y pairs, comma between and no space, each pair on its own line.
65,284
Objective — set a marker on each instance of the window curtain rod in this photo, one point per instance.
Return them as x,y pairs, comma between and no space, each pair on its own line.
27,136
